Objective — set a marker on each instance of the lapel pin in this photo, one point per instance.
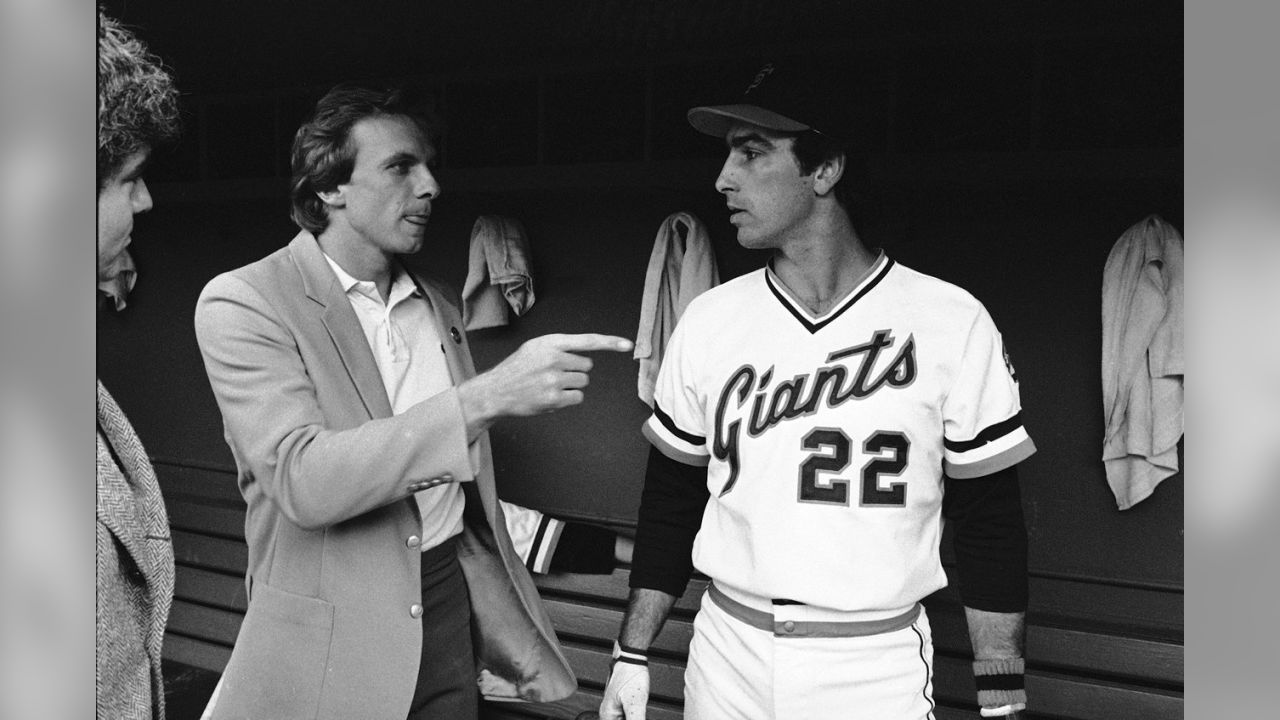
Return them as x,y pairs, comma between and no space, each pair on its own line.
457,336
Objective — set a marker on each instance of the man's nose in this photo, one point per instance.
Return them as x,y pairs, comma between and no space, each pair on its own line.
141,197
426,184
725,180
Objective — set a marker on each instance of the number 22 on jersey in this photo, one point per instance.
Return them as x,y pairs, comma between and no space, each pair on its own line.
832,454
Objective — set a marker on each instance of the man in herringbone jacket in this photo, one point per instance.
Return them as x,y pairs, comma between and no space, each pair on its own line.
137,108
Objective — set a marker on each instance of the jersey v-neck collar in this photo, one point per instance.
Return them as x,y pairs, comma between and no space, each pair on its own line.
812,323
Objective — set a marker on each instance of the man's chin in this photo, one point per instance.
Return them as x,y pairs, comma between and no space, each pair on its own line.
411,245
751,241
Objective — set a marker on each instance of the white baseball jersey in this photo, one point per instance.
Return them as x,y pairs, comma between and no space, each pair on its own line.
826,438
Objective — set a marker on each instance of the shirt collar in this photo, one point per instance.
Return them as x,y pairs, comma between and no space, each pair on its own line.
401,287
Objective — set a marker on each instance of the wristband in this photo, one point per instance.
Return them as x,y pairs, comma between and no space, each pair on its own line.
1001,685
622,653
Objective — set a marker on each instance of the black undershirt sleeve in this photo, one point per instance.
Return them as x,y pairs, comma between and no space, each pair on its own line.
671,507
585,549
990,540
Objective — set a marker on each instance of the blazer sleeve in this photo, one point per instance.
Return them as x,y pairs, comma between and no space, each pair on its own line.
273,419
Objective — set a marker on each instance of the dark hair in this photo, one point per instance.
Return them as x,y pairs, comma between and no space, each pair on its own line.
137,103
323,156
811,149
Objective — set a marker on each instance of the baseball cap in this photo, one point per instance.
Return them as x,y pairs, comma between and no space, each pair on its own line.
782,97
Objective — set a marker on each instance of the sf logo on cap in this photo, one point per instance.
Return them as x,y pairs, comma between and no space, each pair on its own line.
765,72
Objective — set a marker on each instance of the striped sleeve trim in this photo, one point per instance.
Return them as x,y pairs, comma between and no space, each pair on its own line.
544,545
677,444
988,434
1004,453
674,450
670,426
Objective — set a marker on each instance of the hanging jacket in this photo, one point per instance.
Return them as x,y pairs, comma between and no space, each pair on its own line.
1142,361
681,267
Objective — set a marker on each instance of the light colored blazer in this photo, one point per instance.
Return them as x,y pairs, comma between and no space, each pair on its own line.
328,474
134,571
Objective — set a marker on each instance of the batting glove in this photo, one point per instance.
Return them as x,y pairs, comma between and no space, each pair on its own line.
627,692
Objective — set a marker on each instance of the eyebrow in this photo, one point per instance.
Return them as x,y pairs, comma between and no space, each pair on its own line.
738,141
400,157
137,171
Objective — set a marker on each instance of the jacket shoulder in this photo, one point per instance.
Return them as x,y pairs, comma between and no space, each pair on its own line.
275,271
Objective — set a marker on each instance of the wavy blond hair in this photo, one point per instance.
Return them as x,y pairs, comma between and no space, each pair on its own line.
137,102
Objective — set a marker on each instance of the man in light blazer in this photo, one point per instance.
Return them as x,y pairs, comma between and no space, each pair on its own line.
382,581
137,109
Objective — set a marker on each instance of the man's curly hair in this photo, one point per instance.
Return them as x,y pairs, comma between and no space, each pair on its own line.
137,102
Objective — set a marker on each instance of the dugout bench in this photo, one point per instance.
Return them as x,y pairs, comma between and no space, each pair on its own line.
1108,666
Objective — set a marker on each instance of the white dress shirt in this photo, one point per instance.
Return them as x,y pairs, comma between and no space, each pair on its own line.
406,345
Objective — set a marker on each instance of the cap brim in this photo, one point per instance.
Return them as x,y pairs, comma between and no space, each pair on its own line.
717,119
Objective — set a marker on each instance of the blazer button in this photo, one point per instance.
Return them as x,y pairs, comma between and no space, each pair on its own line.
415,611
413,541
789,626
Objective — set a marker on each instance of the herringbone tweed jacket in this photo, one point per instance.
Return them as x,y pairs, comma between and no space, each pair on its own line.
135,571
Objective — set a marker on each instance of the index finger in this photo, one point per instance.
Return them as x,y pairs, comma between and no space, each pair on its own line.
591,342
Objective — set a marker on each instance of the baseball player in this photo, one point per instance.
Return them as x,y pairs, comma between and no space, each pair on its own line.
814,422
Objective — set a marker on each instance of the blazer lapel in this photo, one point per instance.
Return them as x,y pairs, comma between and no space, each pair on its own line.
115,506
119,506
461,367
340,320
449,325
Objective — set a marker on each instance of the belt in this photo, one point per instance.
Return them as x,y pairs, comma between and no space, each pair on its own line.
809,628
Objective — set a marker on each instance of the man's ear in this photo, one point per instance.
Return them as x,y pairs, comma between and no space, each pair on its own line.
828,174
333,198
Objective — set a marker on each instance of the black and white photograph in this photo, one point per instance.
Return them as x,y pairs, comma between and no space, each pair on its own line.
626,359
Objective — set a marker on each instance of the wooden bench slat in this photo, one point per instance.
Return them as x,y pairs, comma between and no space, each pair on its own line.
203,551
613,589
210,588
204,623
196,653
944,712
1134,612
1143,660
1062,697
214,485
199,516
589,699
602,623
1056,648
1091,700
666,677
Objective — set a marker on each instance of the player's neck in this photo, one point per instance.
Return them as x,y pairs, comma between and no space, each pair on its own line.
822,272
359,258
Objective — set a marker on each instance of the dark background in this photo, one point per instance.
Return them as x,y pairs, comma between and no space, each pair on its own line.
1009,146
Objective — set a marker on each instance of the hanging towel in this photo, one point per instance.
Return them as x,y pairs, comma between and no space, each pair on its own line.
1142,363
681,267
498,269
